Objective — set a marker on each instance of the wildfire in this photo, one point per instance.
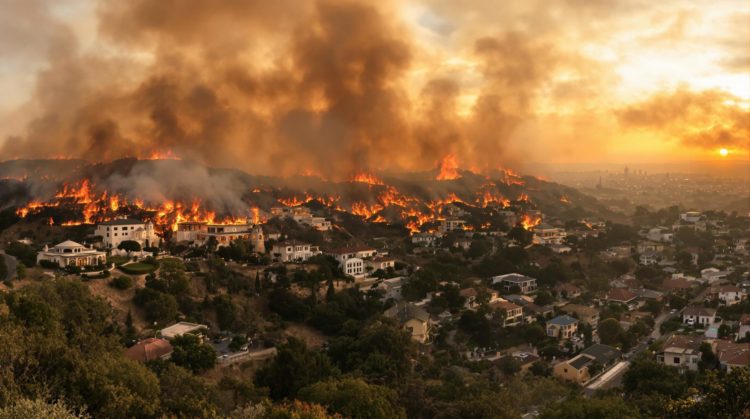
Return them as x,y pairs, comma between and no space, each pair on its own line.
522,197
564,199
448,168
528,222
367,178
159,155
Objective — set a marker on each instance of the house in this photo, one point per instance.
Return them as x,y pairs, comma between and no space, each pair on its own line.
188,231
424,239
660,234
681,351
116,231
343,253
620,295
451,224
545,234
181,328
713,275
413,319
649,258
463,243
149,349
531,311
512,313
649,246
293,251
225,234
470,296
731,355
391,287
566,290
70,253
672,285
560,248
353,267
509,281
563,327
318,223
691,216
744,326
727,294
697,315
586,314
577,368
382,263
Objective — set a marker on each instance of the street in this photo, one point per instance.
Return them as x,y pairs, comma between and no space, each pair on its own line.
613,377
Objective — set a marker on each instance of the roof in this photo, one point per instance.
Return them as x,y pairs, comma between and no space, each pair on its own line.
121,221
699,311
291,243
404,312
350,249
620,294
681,343
563,320
580,361
149,350
504,305
512,278
733,353
580,310
604,354
468,292
69,243
179,329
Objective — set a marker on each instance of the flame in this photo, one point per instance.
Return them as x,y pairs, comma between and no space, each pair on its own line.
160,155
528,222
367,178
448,168
522,197
564,199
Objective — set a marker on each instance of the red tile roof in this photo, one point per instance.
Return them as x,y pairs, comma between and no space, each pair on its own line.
149,350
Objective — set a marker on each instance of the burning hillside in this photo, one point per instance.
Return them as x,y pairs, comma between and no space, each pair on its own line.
169,192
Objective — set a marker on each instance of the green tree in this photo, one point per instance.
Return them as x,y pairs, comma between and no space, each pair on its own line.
611,407
293,368
190,353
129,246
610,332
354,398
25,408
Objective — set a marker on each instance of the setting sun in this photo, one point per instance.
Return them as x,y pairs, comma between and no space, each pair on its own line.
724,152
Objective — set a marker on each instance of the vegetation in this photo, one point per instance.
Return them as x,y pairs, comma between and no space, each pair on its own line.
138,268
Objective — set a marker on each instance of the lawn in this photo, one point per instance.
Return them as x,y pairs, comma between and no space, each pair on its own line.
138,268
117,260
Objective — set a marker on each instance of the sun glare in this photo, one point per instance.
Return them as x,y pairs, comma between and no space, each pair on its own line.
724,152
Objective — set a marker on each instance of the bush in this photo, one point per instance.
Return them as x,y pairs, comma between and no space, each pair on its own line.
121,282
48,264
26,254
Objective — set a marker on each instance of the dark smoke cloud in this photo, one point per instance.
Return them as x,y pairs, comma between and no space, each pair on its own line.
277,88
708,119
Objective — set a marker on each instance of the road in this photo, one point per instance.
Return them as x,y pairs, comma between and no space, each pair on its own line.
613,377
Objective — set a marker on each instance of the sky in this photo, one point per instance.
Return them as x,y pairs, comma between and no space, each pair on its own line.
331,87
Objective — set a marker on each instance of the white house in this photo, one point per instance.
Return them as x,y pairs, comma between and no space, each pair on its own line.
381,262
660,234
344,253
424,239
728,294
525,283
681,351
697,315
451,224
293,251
649,258
116,231
318,223
354,267
712,275
691,216
70,253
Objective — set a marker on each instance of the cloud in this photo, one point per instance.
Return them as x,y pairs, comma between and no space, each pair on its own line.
708,119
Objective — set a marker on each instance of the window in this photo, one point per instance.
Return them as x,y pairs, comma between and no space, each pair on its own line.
676,360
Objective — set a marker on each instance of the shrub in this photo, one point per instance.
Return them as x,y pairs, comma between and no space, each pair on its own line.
121,282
